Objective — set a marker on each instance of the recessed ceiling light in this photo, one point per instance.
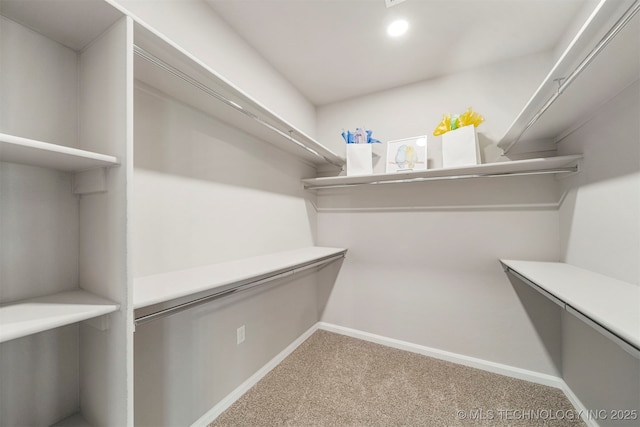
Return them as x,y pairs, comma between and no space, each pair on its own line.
397,28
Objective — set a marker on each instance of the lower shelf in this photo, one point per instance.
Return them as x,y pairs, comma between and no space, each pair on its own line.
608,305
164,294
75,420
35,315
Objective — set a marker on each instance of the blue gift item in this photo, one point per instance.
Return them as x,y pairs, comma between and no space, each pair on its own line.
360,136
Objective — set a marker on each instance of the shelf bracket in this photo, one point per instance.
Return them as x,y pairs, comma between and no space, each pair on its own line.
90,181
560,82
577,168
100,323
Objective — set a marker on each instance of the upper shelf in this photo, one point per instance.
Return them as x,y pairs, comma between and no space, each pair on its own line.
35,315
26,151
163,65
602,60
612,304
549,165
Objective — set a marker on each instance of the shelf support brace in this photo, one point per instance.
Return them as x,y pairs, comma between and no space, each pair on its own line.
90,181
100,323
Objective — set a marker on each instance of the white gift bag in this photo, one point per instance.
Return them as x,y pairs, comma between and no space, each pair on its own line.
359,159
460,147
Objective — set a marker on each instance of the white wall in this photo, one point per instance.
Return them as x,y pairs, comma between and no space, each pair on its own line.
600,231
38,256
194,26
207,193
39,227
600,227
497,92
428,272
42,104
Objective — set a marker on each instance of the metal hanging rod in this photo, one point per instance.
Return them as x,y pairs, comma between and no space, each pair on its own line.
567,169
142,53
564,82
233,290
613,336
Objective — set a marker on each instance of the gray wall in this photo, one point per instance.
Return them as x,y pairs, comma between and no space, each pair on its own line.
206,193
600,231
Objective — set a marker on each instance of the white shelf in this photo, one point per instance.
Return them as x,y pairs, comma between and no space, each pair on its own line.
609,73
170,287
35,315
611,304
76,420
26,151
519,167
175,72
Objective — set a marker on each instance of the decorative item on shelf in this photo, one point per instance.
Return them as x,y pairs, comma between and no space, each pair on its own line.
359,151
409,154
459,139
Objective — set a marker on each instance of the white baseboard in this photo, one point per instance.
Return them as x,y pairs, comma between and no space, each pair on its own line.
485,365
582,410
236,394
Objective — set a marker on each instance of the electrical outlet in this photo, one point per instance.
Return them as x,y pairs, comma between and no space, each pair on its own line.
240,335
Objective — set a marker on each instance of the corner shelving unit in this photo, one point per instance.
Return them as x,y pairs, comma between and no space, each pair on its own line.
610,306
15,149
64,140
547,165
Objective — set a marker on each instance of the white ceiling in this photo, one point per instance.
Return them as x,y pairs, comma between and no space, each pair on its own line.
336,49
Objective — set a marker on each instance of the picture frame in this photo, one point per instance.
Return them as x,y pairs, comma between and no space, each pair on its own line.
408,154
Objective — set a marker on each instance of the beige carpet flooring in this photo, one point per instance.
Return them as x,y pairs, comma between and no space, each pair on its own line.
334,380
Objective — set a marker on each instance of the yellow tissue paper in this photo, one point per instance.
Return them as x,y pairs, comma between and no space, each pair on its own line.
470,117
444,126
450,123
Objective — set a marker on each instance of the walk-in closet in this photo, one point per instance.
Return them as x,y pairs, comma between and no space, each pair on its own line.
221,212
